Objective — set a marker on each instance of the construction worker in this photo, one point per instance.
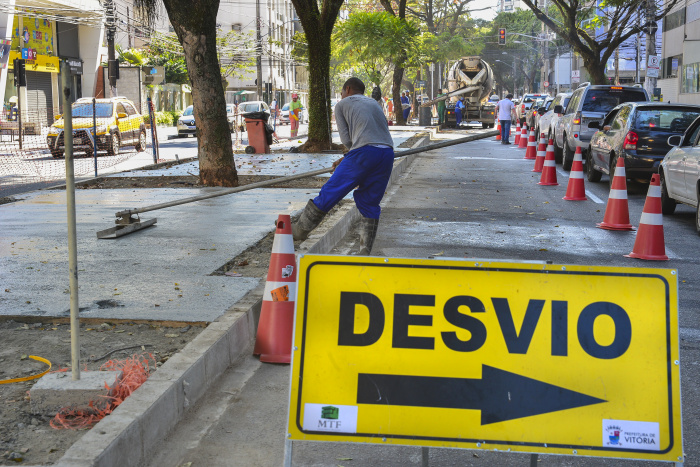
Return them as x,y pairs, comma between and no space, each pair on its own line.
367,166
294,114
458,112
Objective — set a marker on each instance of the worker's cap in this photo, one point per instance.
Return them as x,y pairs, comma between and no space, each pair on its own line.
13,100
295,95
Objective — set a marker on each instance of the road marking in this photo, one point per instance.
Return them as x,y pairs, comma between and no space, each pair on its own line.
594,198
418,143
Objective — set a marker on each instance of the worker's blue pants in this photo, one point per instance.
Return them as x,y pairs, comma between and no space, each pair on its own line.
405,113
458,116
367,168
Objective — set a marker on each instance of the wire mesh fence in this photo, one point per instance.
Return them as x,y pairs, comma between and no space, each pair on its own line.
32,145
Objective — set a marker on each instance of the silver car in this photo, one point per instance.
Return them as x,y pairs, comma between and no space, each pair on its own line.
185,124
680,172
550,120
589,103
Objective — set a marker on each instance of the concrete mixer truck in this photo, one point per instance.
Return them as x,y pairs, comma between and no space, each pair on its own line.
470,78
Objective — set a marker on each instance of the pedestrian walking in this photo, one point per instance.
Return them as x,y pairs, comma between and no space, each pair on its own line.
273,112
294,114
367,165
405,105
458,111
505,109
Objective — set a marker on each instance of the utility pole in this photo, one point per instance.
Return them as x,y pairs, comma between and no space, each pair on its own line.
650,81
259,47
269,55
128,28
617,66
112,63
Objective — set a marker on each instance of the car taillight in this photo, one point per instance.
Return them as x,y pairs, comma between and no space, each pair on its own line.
631,140
577,118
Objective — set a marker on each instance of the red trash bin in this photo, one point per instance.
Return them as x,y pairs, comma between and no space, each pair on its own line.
256,126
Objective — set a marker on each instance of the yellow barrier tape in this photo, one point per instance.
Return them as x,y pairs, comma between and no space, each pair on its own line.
27,378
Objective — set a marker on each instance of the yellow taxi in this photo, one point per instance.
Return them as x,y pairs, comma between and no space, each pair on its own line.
118,124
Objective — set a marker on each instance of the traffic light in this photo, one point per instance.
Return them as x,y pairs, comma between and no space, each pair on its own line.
20,74
502,36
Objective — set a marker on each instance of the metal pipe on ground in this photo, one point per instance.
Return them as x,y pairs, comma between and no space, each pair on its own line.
126,223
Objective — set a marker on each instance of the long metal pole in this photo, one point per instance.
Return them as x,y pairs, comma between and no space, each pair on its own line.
129,212
258,49
72,230
94,133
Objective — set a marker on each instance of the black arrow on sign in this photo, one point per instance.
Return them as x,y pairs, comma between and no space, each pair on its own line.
499,394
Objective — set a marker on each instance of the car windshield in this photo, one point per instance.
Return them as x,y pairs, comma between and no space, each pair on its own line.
286,107
102,109
229,109
604,100
188,111
667,120
250,107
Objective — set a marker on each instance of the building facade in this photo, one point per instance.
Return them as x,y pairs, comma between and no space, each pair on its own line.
46,33
679,77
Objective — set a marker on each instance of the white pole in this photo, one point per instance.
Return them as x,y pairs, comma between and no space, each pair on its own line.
72,230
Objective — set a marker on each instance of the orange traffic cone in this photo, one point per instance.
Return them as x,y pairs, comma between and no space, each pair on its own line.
575,190
649,243
541,153
517,133
523,137
274,339
498,136
549,171
531,151
617,214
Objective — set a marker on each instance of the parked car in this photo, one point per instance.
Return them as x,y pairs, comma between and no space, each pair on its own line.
550,122
526,103
253,106
186,124
637,132
680,172
589,103
284,115
537,114
118,124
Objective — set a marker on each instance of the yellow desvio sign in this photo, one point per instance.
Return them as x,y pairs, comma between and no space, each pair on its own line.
528,357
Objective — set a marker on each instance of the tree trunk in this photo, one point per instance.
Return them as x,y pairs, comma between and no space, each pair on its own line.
595,69
396,95
320,135
195,25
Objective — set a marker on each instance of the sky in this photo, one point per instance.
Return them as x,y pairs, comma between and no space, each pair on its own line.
488,14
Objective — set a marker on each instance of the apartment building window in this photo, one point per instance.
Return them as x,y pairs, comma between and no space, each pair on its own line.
670,66
674,20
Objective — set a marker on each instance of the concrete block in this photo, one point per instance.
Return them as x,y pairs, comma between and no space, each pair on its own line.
55,391
97,445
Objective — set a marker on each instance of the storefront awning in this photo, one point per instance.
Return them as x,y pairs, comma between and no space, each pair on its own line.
71,11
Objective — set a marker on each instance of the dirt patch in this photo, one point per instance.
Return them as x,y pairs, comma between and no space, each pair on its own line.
191,181
29,437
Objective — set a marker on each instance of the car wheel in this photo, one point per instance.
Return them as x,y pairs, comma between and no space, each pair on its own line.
181,135
568,158
592,174
668,204
697,217
141,145
113,148
89,153
558,153
58,154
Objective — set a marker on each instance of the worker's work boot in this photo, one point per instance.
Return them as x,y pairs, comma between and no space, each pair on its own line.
308,221
368,231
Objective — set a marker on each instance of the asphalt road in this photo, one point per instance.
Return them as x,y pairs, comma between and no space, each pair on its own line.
478,200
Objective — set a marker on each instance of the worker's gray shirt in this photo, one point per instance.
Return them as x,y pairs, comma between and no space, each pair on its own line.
361,122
